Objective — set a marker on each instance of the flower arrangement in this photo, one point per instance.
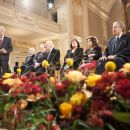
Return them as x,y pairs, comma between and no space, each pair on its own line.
75,102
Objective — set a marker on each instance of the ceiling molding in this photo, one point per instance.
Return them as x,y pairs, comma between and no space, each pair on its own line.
98,11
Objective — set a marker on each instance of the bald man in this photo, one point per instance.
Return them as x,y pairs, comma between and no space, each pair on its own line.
5,49
53,56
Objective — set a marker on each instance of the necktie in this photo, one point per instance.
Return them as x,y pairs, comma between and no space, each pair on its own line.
48,55
1,42
116,43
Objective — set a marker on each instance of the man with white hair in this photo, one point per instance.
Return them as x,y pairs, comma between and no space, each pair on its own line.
118,48
29,61
5,49
53,56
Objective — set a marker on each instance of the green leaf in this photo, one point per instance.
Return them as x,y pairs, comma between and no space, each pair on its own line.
110,127
122,117
94,128
79,123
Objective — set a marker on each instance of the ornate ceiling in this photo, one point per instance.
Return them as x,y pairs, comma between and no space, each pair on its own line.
105,5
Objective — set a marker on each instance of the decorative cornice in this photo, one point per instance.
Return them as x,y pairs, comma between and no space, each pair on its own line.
16,17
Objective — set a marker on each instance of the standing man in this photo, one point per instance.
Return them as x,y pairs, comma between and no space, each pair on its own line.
118,48
5,49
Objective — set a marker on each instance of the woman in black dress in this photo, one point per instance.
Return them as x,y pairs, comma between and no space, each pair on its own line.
76,53
92,54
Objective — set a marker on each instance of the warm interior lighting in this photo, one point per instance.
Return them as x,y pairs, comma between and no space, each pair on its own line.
26,3
50,4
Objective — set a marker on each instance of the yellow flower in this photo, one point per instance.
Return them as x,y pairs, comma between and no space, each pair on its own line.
11,82
75,76
69,61
7,75
110,66
19,71
45,64
126,68
92,79
52,80
65,110
78,98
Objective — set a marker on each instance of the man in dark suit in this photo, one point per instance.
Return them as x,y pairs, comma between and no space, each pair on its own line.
118,48
5,49
53,56
29,61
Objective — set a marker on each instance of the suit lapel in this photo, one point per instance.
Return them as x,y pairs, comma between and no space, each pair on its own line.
113,45
119,43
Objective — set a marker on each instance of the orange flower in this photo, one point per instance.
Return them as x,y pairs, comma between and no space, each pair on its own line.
126,68
22,104
65,110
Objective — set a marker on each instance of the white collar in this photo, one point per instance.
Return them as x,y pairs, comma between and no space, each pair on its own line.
119,36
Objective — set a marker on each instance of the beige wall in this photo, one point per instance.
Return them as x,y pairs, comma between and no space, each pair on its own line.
116,14
98,27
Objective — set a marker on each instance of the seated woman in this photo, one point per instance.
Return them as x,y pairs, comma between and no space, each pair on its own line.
76,53
28,64
92,54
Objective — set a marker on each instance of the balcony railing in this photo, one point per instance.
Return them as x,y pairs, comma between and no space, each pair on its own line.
16,16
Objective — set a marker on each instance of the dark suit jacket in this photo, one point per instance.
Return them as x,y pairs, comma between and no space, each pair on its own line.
29,60
76,56
54,57
97,51
122,49
7,45
40,56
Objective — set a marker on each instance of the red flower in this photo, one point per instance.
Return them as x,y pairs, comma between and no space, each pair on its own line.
41,126
29,88
4,87
16,92
55,127
49,117
42,78
123,88
61,89
24,79
94,120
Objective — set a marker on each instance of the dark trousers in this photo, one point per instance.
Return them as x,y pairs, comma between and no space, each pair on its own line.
3,67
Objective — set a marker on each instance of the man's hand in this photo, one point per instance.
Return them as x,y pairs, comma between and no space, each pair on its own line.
103,58
3,51
36,65
91,55
111,57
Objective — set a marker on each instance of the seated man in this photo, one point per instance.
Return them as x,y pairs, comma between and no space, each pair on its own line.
118,48
40,56
29,63
53,57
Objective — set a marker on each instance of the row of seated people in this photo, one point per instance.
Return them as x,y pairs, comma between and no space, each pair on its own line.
33,62
48,52
118,50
